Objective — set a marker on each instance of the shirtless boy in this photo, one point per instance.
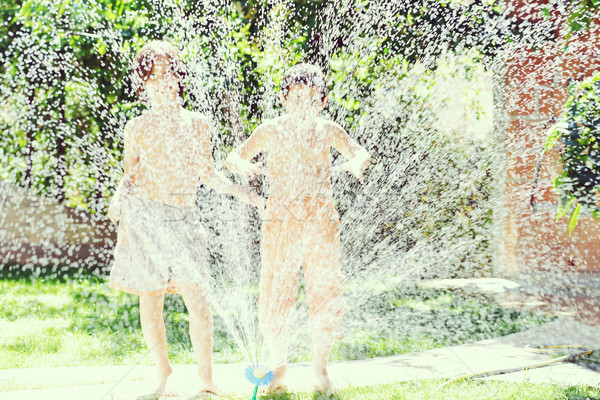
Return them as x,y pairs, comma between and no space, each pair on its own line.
161,246
301,225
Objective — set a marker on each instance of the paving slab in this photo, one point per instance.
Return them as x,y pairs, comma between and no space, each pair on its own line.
479,285
512,351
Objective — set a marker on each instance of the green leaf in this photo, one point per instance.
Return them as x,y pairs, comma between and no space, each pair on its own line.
553,135
576,26
63,7
101,48
26,9
563,210
121,9
574,218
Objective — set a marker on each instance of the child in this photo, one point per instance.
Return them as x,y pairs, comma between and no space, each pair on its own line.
301,225
161,246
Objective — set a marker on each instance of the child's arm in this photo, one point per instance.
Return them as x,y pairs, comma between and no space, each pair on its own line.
238,161
358,158
213,178
130,158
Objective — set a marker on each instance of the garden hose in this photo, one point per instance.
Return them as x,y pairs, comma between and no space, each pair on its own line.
585,351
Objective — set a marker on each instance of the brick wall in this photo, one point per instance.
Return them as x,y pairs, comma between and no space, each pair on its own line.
37,231
530,91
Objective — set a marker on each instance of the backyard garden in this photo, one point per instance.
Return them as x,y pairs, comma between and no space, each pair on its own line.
411,82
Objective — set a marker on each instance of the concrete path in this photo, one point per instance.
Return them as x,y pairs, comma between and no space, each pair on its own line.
135,382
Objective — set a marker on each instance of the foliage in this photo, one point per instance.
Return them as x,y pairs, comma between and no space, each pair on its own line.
61,97
582,14
427,192
409,318
579,133
65,82
68,96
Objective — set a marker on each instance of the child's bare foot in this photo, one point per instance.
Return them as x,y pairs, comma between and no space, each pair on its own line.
163,375
323,383
277,385
324,392
276,388
210,390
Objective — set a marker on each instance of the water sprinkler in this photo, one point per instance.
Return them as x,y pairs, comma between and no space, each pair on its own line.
258,375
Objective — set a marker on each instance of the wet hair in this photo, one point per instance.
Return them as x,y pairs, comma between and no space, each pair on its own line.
304,74
144,62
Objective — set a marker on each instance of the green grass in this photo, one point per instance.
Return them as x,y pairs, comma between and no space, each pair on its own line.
54,322
590,361
430,390
82,322
79,322
400,318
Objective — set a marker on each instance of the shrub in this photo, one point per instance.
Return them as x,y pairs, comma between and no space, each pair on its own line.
579,131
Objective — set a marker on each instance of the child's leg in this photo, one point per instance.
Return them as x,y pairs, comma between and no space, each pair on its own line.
278,290
324,279
153,328
201,333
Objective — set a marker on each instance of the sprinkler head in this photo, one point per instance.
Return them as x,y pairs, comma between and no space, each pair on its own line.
259,375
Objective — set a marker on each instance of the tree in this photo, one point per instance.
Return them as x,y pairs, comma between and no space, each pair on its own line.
66,83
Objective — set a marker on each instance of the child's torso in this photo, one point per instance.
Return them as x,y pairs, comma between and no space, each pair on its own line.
298,160
169,161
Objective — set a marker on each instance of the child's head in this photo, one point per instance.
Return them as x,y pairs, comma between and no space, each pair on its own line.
306,75
304,90
158,72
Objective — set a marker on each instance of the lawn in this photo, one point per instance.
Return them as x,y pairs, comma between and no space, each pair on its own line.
430,390
53,322
81,322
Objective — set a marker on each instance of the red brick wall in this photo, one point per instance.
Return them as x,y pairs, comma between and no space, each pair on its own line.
535,90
